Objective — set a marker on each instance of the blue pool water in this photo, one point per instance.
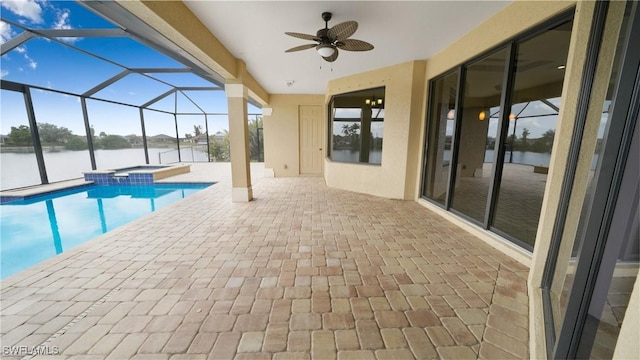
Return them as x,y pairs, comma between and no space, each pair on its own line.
37,228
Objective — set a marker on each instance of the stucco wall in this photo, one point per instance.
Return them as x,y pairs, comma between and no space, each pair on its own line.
404,102
281,133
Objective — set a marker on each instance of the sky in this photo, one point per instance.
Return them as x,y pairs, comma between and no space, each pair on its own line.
48,64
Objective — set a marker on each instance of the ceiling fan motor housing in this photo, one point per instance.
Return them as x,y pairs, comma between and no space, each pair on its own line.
330,40
323,36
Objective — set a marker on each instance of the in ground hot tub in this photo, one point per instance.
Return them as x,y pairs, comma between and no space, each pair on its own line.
136,175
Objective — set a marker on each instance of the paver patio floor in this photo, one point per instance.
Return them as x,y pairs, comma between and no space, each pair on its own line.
304,271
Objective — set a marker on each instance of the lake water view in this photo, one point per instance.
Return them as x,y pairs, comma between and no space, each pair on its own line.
21,169
375,156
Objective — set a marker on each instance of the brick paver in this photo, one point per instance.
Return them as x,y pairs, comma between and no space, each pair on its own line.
302,272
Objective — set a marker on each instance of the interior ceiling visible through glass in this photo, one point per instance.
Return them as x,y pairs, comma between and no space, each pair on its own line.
76,65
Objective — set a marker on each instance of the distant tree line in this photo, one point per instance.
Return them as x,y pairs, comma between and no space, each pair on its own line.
349,139
53,135
542,144
219,143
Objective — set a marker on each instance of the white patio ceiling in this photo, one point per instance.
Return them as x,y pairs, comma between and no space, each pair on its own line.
400,31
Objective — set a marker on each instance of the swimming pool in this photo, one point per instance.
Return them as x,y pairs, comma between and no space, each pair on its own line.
40,227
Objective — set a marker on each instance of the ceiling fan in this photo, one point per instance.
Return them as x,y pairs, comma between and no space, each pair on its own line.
330,40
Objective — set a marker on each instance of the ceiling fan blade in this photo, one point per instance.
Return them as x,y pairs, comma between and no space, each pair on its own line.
331,58
343,30
302,47
303,36
354,45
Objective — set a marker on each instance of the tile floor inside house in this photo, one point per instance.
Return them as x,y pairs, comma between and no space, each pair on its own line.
301,272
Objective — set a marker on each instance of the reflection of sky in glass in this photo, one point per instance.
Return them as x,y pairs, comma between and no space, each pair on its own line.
346,113
535,116
28,228
377,113
377,129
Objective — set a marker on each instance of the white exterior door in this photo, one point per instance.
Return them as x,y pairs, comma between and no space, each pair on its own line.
310,118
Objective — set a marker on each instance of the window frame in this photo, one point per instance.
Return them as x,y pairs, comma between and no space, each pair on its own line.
331,119
511,47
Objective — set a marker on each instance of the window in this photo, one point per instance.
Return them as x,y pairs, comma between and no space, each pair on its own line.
440,136
357,127
537,88
479,119
490,129
592,264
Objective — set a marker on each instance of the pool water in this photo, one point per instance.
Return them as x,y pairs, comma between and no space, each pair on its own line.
40,227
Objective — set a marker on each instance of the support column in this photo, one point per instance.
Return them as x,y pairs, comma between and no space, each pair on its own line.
237,95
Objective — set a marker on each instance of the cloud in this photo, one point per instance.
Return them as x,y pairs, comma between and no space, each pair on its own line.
23,50
3,73
62,21
29,9
5,32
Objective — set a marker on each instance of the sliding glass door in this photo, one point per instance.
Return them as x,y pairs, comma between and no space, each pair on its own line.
490,132
478,129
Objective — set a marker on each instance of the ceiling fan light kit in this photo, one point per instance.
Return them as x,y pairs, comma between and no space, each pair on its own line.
325,50
329,40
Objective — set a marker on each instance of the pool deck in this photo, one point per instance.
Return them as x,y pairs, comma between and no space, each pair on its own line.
303,271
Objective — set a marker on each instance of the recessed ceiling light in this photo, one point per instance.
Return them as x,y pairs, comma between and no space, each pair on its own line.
561,67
